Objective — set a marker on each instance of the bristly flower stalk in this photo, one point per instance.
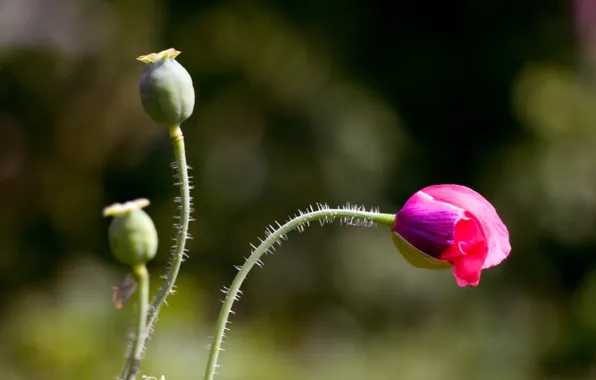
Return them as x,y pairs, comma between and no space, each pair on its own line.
350,215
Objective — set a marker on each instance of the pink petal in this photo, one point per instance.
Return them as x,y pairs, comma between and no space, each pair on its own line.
467,270
497,236
469,251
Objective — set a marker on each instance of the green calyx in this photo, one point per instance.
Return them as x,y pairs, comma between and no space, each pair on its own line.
132,234
166,88
416,257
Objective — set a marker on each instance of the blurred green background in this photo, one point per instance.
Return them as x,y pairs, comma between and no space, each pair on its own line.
301,102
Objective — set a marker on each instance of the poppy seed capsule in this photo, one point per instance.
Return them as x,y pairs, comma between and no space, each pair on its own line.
132,234
166,89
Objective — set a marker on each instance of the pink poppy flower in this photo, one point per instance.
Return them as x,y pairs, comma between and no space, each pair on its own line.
451,226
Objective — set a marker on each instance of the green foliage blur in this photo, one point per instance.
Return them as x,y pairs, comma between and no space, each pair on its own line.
301,102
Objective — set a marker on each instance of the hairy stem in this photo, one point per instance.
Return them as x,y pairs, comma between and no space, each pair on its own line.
182,228
181,235
134,358
324,214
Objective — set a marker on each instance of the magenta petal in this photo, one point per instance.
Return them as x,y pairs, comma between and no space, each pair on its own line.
467,270
427,224
469,251
497,236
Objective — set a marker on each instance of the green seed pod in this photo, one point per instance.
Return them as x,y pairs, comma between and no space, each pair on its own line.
132,234
167,93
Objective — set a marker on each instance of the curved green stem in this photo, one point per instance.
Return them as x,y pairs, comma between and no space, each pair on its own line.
324,214
134,358
182,228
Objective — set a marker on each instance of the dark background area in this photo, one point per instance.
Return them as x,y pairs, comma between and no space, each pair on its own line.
297,103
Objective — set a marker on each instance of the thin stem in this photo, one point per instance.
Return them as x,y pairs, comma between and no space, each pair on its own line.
350,216
182,228
134,359
150,316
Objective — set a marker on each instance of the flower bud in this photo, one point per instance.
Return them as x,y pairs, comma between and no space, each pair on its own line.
446,226
132,234
167,93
